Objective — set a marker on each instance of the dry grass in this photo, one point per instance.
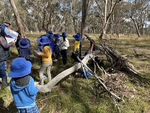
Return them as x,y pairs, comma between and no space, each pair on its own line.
77,95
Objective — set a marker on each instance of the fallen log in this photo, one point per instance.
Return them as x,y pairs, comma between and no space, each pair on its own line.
47,87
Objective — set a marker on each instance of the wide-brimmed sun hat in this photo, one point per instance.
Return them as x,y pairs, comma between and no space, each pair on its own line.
64,34
24,43
50,35
77,37
57,36
44,41
20,67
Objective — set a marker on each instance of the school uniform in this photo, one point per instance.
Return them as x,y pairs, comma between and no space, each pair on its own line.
25,48
64,47
46,56
23,87
4,55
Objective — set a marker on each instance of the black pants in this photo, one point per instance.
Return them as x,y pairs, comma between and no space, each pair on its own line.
64,56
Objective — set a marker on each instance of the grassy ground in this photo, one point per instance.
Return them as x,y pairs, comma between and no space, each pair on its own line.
77,95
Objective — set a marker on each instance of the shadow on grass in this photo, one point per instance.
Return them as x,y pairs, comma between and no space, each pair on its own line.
75,94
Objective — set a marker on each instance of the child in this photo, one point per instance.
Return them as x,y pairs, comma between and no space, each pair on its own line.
57,40
25,48
64,47
77,43
4,52
46,55
23,87
52,42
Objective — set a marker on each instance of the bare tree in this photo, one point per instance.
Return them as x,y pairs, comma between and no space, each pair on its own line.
18,19
108,17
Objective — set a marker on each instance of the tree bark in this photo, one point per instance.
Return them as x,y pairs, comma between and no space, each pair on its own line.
84,14
105,18
108,17
17,16
136,27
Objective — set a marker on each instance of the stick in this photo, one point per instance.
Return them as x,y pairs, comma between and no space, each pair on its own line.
100,81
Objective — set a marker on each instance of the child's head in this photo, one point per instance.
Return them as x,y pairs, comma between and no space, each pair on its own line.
20,68
77,37
64,35
44,41
24,43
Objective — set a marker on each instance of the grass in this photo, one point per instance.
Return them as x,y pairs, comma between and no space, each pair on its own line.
77,95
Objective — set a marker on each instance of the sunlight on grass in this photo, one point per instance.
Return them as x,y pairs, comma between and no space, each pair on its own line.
77,95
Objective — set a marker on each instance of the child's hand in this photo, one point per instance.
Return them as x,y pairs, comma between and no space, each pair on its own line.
37,52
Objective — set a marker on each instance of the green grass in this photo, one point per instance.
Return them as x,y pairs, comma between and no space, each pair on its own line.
77,95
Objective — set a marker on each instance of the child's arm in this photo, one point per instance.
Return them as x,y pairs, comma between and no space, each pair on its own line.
38,53
33,90
46,52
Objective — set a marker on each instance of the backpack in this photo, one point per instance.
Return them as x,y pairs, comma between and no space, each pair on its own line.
2,27
25,48
4,53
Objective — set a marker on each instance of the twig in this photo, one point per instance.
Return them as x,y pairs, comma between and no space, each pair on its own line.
100,81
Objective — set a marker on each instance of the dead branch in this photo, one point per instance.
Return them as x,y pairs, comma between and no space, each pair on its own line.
117,61
101,82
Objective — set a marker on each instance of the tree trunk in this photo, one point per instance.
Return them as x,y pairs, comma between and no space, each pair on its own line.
105,18
108,17
17,16
136,27
84,14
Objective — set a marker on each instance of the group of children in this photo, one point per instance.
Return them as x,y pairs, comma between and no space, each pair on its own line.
22,84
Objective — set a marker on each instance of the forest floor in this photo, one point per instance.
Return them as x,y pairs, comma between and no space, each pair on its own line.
79,95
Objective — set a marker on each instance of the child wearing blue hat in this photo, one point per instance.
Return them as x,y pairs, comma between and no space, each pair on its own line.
25,48
4,53
23,87
77,38
46,55
57,41
52,41
64,47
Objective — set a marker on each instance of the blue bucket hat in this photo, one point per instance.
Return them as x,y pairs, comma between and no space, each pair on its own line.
24,43
20,68
50,35
64,34
44,41
77,37
57,36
